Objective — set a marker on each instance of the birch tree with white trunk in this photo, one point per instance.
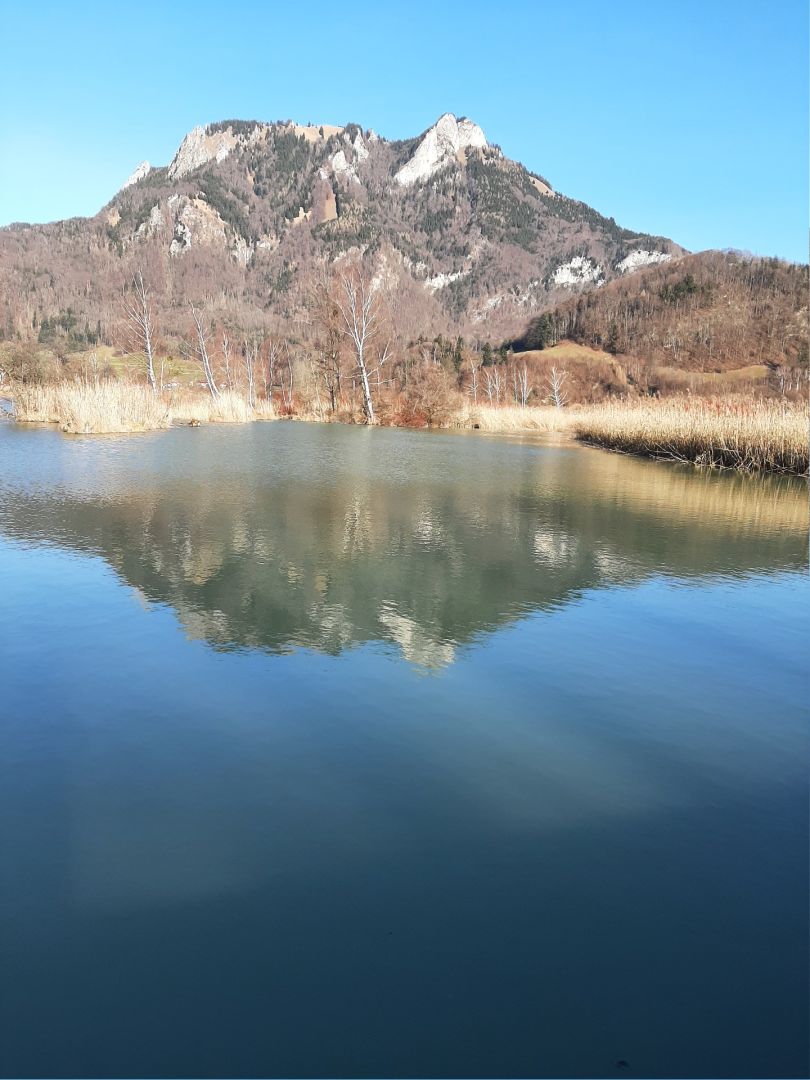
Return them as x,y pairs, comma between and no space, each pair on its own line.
558,389
522,383
359,311
493,387
226,359
140,321
475,364
200,349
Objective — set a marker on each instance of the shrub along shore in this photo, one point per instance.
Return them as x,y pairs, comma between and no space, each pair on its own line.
744,434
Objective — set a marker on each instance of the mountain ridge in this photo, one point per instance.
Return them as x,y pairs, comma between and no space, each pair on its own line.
247,209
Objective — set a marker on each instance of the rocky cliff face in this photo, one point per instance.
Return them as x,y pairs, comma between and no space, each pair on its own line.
137,174
446,141
474,240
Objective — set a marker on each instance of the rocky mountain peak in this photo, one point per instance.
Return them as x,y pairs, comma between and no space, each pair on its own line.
137,174
474,240
212,143
448,139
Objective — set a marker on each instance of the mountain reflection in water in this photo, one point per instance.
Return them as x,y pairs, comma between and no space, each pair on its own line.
279,849
275,537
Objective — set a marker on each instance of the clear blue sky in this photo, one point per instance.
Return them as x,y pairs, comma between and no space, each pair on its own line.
688,119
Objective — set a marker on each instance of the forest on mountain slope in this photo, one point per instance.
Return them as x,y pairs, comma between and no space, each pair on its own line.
714,312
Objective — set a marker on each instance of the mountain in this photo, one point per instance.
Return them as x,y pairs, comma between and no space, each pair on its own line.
710,321
245,210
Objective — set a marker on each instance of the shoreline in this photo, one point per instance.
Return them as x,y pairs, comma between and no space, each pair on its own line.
575,430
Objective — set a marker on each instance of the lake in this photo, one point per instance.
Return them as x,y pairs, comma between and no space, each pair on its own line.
330,751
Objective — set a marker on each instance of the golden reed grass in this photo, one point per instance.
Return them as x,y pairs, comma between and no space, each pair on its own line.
101,408
229,408
748,435
512,419
113,406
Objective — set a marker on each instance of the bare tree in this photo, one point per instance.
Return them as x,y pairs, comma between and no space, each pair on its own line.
493,378
251,347
475,363
523,390
226,359
275,350
200,350
557,387
140,323
383,357
287,387
356,301
327,343
91,368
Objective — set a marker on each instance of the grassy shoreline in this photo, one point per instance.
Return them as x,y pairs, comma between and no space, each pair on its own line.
773,437
761,436
113,407
744,435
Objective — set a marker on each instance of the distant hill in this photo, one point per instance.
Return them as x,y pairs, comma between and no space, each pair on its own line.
470,241
719,314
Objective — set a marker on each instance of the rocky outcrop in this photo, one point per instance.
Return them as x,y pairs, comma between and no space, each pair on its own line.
324,202
154,224
343,168
441,281
345,163
472,237
446,141
198,148
138,174
578,271
639,258
196,223
202,145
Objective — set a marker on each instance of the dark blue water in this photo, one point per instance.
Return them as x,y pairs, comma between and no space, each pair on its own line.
335,752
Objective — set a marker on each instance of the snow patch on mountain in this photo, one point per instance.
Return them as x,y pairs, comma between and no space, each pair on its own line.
636,259
446,140
138,174
578,271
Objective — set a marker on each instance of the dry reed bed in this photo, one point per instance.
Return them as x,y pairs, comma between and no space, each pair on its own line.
112,406
229,408
749,436
512,419
102,408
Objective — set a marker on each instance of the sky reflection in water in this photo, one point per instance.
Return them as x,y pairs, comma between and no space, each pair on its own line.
340,752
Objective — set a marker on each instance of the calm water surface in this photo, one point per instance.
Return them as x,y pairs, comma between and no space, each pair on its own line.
335,752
